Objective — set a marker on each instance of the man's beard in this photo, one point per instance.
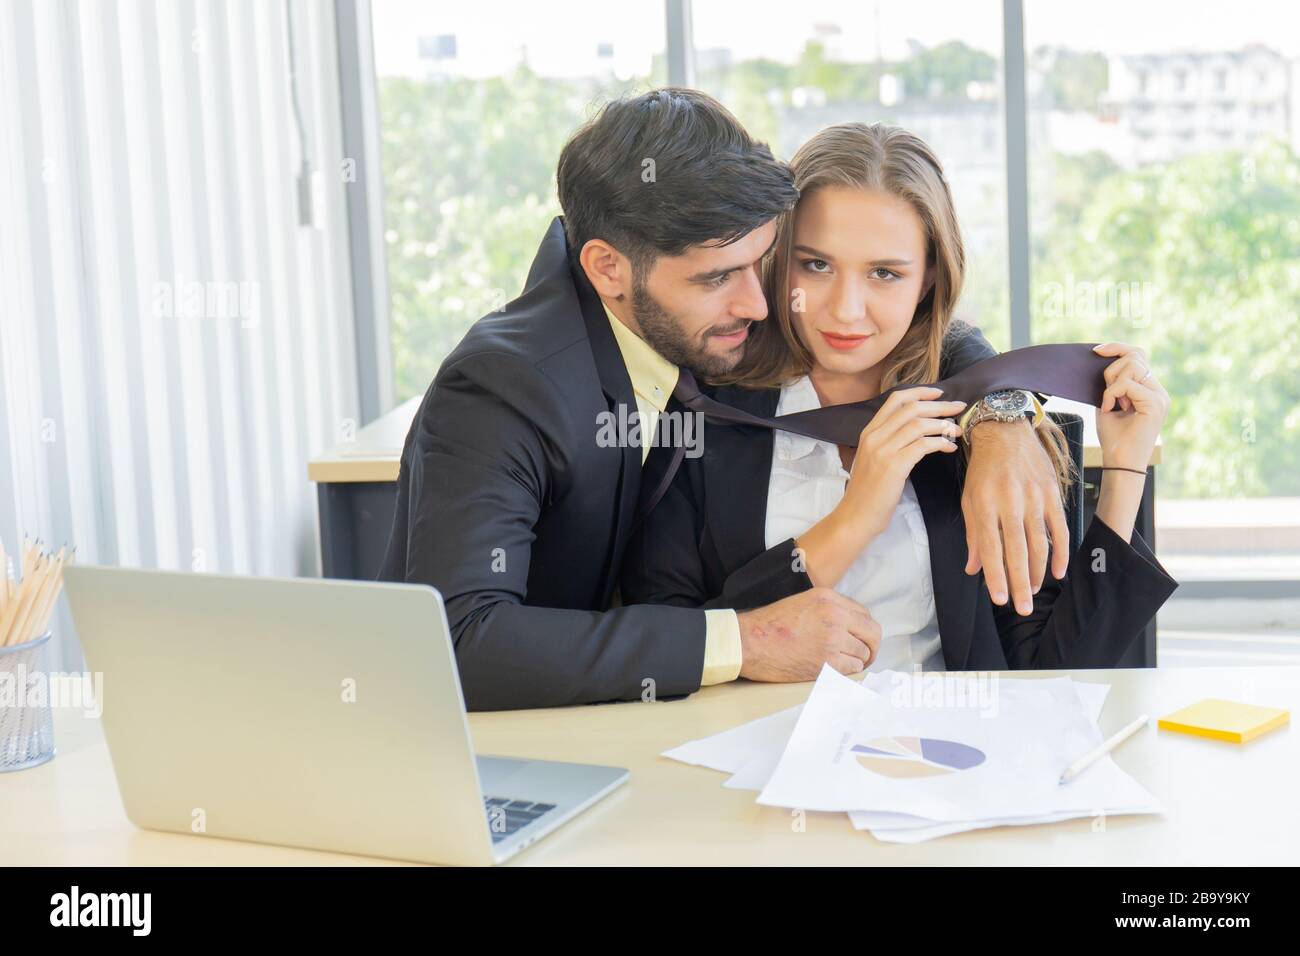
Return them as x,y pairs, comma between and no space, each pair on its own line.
663,332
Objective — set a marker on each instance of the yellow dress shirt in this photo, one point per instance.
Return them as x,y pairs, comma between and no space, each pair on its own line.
653,380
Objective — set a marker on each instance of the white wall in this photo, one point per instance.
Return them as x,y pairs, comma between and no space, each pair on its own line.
147,149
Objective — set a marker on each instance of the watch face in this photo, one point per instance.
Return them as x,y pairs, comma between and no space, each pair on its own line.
1012,401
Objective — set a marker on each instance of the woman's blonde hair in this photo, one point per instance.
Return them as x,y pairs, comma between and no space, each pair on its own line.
892,160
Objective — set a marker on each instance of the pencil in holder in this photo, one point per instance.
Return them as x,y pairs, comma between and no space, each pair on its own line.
26,717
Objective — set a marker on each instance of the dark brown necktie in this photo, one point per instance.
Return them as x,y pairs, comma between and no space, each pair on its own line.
1072,371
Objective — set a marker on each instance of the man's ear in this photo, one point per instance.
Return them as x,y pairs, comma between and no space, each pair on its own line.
607,269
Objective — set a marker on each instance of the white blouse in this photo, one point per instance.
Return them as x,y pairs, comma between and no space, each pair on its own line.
891,577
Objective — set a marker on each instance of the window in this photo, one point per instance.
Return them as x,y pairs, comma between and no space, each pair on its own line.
1190,209
932,67
1163,186
475,103
1188,244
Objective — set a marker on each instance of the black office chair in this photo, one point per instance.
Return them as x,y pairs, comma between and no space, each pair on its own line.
1071,426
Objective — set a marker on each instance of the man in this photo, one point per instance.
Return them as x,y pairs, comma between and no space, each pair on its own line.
514,504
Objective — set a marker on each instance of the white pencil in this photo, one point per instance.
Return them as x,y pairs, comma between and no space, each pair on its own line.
41,620
36,588
1092,756
14,608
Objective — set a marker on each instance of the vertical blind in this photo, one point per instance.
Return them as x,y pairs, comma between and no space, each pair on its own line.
174,342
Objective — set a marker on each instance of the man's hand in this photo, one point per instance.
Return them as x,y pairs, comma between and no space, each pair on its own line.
1011,502
791,639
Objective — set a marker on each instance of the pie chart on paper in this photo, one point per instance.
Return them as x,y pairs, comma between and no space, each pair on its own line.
905,757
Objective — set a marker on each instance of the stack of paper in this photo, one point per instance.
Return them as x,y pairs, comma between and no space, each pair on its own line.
911,757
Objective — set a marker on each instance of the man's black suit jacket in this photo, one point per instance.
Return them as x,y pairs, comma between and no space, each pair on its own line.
508,506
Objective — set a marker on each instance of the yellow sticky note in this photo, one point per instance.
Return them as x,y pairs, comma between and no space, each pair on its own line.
1225,720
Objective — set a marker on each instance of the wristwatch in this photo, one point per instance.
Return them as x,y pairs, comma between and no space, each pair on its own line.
1007,405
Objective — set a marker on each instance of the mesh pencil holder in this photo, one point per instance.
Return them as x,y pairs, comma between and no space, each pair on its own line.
26,718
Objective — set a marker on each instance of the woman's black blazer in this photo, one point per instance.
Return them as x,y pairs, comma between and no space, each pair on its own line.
703,546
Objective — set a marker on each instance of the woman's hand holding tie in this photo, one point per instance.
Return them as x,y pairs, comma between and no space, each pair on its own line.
911,424
1133,409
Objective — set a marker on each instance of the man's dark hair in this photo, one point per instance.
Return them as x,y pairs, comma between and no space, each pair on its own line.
658,173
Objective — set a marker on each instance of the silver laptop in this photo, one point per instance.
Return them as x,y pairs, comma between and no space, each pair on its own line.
300,712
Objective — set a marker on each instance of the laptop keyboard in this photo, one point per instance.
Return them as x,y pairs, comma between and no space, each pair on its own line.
506,817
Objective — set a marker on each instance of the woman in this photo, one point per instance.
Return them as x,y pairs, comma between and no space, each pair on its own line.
861,286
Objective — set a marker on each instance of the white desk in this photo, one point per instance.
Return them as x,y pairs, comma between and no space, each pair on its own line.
1226,803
